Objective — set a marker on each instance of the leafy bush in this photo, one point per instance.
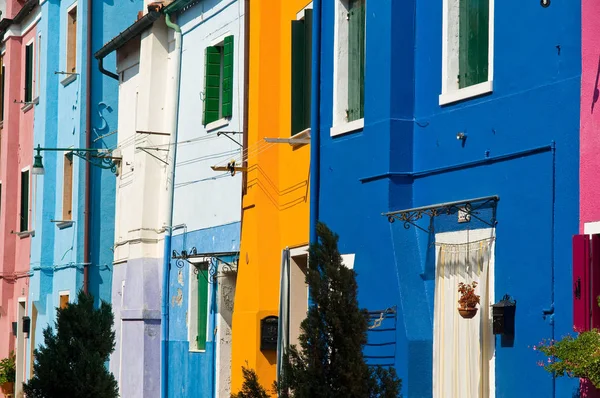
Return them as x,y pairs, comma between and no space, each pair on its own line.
7,369
573,356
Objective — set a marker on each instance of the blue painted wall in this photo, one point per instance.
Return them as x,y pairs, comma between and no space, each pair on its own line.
57,255
192,373
535,102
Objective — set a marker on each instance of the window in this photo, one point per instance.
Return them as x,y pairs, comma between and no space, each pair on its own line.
467,49
301,72
63,299
298,294
68,187
218,81
349,85
72,40
198,306
29,72
24,201
38,66
2,91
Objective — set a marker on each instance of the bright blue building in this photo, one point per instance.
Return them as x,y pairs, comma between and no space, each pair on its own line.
66,250
460,118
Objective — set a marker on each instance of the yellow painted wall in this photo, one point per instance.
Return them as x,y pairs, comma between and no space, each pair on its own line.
276,205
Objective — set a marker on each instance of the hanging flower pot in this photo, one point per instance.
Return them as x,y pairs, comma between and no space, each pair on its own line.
467,304
467,313
7,388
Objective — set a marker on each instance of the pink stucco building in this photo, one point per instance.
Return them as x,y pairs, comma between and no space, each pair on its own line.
20,69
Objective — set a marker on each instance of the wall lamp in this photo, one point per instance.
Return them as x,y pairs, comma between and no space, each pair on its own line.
98,157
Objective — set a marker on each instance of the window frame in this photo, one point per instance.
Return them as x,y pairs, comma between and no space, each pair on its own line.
29,78
28,209
193,306
222,119
306,82
67,201
71,48
450,61
61,294
340,122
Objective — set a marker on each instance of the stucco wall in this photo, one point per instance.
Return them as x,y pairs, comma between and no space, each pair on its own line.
590,141
407,131
275,207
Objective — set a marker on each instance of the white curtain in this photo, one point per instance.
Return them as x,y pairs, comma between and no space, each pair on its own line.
461,347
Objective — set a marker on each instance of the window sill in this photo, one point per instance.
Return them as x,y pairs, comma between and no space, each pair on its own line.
304,134
197,351
69,79
25,234
62,224
467,92
347,127
217,124
27,107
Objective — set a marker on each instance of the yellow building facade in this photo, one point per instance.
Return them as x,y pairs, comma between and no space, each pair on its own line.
275,212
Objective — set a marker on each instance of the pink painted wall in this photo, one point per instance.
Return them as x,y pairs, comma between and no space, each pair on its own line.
590,114
15,155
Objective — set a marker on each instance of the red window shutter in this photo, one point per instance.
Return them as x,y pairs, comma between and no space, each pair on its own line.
581,282
595,277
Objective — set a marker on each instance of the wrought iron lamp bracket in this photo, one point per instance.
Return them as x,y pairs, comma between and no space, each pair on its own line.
99,160
470,208
210,263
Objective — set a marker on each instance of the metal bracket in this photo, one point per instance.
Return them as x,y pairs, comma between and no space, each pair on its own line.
468,207
211,259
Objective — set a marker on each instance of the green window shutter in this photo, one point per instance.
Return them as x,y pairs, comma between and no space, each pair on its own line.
28,73
356,60
227,110
24,201
212,84
298,70
473,42
308,23
202,308
2,94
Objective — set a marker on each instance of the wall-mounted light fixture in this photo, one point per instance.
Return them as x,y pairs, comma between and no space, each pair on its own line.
98,157
503,316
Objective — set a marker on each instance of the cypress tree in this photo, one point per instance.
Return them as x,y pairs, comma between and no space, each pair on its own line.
72,362
330,362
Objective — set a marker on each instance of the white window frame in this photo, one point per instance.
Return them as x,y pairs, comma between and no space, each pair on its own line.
30,203
450,57
340,73
221,121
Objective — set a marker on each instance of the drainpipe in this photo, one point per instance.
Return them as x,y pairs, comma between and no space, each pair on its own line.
174,94
315,121
88,135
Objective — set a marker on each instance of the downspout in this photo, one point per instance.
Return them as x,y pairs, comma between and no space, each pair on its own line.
315,121
246,100
88,141
169,207
106,72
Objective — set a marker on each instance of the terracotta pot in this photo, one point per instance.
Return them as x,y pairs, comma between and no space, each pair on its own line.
7,388
467,313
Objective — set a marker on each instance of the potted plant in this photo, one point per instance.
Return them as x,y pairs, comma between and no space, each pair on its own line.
467,304
8,374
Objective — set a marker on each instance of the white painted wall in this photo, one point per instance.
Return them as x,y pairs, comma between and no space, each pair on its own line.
144,71
201,202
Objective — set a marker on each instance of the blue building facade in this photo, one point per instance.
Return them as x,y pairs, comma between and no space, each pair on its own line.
206,202
57,250
461,147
